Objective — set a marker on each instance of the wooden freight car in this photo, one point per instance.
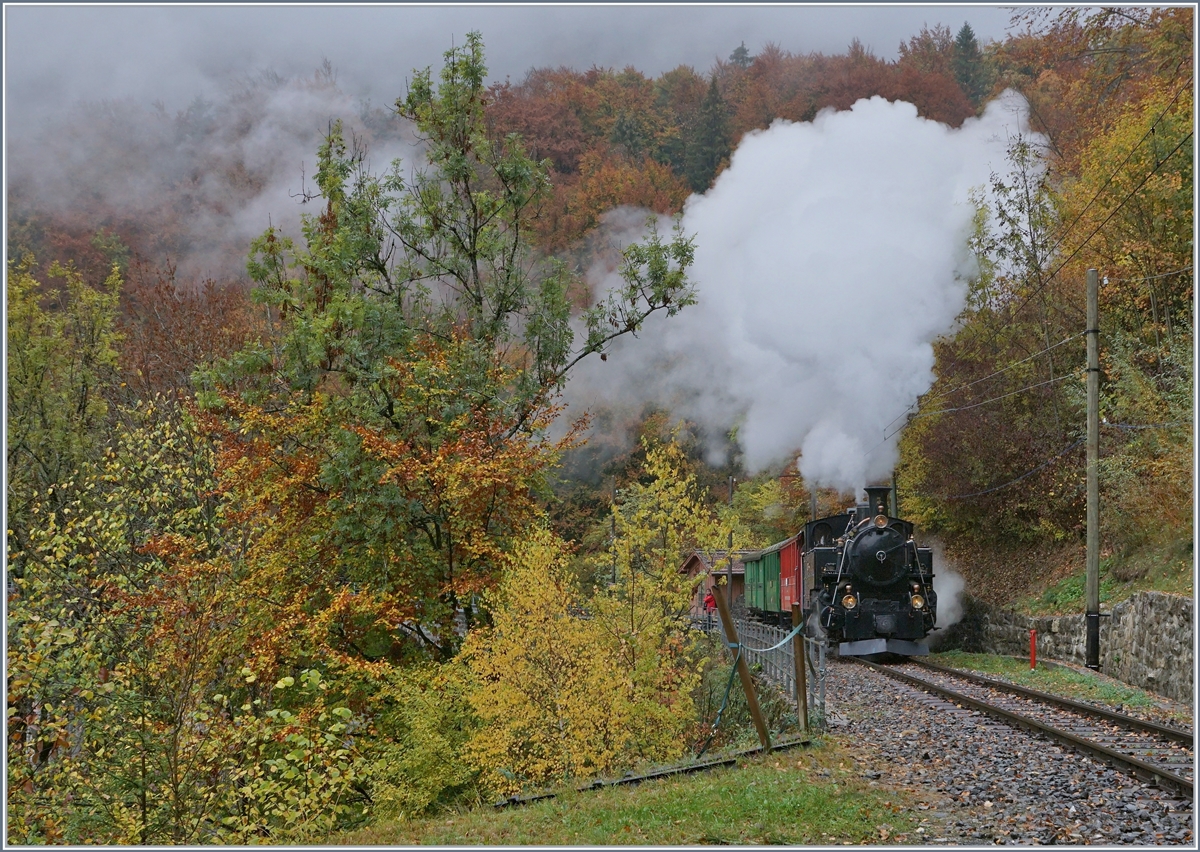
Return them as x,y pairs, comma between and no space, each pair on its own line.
774,580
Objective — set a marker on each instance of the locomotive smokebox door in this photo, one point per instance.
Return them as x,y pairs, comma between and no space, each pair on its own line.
877,557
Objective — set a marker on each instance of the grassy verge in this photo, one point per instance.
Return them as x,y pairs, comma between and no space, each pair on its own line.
1058,680
1161,568
812,796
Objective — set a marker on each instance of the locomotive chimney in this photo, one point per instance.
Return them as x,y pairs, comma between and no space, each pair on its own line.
877,495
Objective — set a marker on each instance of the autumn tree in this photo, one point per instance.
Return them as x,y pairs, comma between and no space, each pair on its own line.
1112,191
545,694
62,358
1078,70
93,700
421,343
644,615
544,111
573,684
931,50
170,326
1001,379
1129,214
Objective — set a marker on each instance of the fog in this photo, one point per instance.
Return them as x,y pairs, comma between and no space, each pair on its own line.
57,55
198,185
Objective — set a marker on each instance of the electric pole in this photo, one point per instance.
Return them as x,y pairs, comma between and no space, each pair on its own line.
729,575
1093,471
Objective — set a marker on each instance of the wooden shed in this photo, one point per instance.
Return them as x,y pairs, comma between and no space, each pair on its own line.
700,566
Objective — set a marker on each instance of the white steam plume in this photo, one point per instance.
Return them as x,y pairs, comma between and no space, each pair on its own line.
949,587
830,255
948,583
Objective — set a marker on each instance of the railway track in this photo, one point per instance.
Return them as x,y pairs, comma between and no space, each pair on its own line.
1155,753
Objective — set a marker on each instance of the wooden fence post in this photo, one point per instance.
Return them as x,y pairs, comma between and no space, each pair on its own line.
801,674
743,670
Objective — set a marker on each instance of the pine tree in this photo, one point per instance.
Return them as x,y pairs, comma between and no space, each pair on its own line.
967,64
710,143
741,57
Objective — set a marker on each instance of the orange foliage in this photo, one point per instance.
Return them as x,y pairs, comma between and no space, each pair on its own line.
779,84
170,329
605,183
1079,73
348,549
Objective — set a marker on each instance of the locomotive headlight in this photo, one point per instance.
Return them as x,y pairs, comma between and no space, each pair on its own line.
881,521
849,602
918,602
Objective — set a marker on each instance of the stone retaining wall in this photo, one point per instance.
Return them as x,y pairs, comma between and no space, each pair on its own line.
1146,643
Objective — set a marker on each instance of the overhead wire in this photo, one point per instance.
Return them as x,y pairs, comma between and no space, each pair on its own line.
917,413
1060,454
999,372
1179,271
1063,377
1062,265
1107,219
1010,366
1081,246
1114,211
1025,475
920,414
1117,170
1124,200
1167,425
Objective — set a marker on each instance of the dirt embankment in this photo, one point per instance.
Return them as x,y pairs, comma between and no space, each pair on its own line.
1001,577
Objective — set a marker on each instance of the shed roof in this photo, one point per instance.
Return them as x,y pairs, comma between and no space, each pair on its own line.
702,561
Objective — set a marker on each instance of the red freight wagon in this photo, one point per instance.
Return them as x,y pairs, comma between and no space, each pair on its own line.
791,585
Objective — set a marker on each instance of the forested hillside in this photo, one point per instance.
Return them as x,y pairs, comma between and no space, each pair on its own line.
298,534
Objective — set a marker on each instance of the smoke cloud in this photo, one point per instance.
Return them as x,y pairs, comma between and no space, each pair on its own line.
949,587
830,255
948,583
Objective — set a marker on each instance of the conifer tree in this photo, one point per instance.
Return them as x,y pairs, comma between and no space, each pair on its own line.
741,57
967,64
710,144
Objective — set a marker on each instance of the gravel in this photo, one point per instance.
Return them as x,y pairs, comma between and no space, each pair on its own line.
978,781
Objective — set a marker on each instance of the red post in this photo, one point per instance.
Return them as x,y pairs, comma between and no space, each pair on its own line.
1032,649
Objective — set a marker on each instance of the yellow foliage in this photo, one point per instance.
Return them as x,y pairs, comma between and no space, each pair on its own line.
549,704
571,688
423,722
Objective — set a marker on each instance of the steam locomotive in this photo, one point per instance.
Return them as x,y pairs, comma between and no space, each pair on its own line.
859,578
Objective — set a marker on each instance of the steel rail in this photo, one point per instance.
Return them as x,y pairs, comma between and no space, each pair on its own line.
1141,769
1175,734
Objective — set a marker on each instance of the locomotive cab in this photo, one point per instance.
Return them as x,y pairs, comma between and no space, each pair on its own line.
872,586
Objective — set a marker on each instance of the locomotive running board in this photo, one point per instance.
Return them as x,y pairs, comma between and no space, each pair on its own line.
882,646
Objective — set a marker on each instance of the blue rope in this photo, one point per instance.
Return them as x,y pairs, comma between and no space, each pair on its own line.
779,644
724,701
738,646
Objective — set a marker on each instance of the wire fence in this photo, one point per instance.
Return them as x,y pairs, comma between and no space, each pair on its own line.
778,664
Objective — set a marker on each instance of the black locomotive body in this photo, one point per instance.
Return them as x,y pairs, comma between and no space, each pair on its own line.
872,586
